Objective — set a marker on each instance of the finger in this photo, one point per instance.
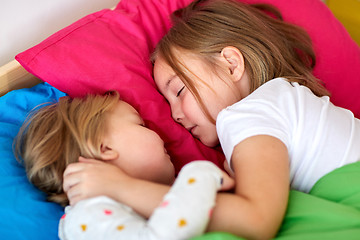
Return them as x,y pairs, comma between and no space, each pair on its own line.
87,160
72,168
73,197
70,181
228,182
68,184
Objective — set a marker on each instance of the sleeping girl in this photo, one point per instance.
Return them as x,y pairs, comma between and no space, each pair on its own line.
111,131
235,76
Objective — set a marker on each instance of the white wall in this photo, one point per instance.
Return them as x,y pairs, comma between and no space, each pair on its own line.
25,23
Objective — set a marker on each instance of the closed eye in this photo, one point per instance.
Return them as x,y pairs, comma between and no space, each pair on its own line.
179,92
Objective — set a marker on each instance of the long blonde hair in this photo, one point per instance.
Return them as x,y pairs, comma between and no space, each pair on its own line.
271,47
57,134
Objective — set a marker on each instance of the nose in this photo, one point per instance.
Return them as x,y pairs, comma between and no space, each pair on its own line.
177,113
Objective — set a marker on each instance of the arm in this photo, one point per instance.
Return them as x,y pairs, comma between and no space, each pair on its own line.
256,209
258,206
90,178
187,207
184,212
261,169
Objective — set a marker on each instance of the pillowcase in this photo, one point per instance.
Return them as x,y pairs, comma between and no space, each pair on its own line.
109,50
24,211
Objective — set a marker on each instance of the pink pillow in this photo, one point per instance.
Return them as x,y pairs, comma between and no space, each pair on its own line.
110,50
337,55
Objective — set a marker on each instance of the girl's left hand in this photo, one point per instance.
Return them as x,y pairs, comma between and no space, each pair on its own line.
90,178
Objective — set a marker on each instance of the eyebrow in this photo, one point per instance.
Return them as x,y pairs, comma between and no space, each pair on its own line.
169,81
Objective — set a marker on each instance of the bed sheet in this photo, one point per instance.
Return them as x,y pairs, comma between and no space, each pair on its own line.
330,211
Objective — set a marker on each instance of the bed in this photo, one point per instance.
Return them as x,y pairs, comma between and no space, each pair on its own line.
109,49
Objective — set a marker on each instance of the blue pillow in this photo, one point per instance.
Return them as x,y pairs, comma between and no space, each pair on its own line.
24,211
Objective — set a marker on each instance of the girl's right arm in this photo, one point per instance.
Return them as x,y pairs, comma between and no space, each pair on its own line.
90,178
255,211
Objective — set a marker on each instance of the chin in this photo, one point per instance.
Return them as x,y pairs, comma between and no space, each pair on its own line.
210,143
168,181
168,177
171,182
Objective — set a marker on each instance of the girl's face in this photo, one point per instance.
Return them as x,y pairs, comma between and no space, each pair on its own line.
140,151
184,107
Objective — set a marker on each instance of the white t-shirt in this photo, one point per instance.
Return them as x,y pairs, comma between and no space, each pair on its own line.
319,136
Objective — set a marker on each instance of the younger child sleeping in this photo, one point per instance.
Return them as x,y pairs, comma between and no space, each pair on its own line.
111,131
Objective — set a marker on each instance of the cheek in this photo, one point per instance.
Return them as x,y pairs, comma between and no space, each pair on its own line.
191,107
138,164
154,167
209,136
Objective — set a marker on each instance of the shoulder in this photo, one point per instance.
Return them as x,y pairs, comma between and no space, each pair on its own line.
266,111
275,89
278,92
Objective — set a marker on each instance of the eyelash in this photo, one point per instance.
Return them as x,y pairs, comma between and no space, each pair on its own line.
179,92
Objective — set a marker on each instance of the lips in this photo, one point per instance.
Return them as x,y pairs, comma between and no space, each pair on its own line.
191,129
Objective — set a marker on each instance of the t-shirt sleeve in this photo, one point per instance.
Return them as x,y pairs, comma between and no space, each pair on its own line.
264,112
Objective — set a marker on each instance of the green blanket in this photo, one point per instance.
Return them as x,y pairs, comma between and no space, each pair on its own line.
330,211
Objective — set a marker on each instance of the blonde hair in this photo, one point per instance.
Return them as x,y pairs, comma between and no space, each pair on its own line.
271,47
57,134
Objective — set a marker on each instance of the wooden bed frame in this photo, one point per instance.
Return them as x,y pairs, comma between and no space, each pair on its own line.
14,76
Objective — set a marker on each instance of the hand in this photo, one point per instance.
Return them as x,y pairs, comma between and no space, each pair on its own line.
90,178
228,182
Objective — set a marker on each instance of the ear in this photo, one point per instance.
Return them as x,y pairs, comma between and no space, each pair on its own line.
108,153
234,61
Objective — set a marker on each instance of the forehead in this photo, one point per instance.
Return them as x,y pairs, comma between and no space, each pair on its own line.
186,62
124,112
161,66
163,73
